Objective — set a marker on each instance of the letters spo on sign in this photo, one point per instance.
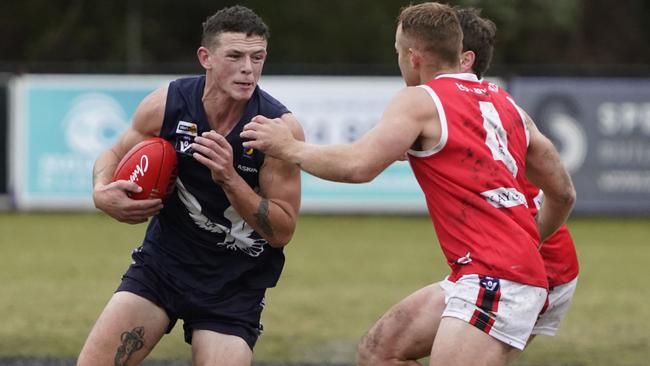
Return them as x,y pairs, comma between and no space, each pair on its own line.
602,129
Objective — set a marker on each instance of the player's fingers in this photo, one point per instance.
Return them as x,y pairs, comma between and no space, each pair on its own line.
252,144
248,134
128,186
205,150
260,119
205,161
146,203
252,126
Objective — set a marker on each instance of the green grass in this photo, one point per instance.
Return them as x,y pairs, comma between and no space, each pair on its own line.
341,274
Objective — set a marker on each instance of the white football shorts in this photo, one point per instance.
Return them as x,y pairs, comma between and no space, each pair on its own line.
559,301
503,309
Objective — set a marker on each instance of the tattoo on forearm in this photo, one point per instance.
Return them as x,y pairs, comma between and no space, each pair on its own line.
131,342
262,217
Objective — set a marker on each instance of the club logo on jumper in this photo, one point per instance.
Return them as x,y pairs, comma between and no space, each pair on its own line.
185,134
249,152
490,283
464,260
238,237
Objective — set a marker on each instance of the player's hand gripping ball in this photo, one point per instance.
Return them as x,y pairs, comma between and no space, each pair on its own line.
152,165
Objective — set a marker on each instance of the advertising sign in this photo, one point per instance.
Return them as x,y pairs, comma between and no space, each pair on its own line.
338,110
602,130
59,125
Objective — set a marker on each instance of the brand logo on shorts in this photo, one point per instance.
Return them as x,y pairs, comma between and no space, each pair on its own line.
490,283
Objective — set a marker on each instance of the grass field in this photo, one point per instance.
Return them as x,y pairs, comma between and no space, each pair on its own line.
342,273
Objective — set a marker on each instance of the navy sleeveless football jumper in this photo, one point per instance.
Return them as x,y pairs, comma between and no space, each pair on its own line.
198,237
199,260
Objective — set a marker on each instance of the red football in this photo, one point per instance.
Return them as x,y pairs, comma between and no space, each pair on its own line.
152,165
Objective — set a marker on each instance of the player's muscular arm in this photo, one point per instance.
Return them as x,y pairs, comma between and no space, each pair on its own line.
545,170
111,197
402,123
273,212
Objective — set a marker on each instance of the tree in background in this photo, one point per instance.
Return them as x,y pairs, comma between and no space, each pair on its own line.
309,35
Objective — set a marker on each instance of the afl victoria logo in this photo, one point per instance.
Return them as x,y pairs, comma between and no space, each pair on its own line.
558,117
93,122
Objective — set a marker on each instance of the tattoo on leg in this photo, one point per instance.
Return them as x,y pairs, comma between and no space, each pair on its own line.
262,217
131,342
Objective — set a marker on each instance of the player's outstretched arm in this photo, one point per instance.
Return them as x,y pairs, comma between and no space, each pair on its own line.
111,197
545,170
402,123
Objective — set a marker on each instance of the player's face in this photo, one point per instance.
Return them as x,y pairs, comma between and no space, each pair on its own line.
409,74
236,63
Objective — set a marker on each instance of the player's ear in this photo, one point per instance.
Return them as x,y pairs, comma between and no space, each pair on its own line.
203,54
414,58
467,59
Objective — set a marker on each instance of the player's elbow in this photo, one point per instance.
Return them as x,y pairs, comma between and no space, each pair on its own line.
566,198
361,172
280,240
569,197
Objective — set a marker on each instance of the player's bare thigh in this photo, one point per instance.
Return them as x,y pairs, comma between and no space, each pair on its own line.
406,332
125,332
216,349
459,344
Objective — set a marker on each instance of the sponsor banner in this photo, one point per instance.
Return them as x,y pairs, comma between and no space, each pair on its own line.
337,110
602,130
60,124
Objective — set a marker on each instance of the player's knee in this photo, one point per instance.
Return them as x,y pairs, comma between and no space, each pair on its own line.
366,350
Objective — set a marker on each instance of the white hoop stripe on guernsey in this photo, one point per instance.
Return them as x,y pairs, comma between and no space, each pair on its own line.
443,126
523,119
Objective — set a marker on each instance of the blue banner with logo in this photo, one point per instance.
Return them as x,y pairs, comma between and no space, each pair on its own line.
59,125
601,127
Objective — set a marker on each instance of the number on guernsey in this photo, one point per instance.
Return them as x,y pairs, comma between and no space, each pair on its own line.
496,138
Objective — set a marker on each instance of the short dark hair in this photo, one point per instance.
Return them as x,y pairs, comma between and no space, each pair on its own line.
434,27
236,19
479,35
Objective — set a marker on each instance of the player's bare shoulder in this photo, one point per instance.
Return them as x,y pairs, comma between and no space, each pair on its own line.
148,117
415,103
414,106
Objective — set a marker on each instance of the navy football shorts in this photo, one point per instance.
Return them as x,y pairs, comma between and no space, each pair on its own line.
233,310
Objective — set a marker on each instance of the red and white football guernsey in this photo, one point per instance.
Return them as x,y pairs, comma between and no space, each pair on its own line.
558,251
470,181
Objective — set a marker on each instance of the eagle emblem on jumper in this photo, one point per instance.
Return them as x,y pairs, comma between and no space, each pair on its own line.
238,235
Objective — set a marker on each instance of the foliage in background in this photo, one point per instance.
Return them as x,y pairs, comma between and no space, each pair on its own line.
342,273
135,34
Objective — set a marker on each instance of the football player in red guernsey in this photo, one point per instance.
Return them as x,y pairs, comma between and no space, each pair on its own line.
399,340
468,145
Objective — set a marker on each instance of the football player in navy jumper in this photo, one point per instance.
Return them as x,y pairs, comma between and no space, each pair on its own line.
215,245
